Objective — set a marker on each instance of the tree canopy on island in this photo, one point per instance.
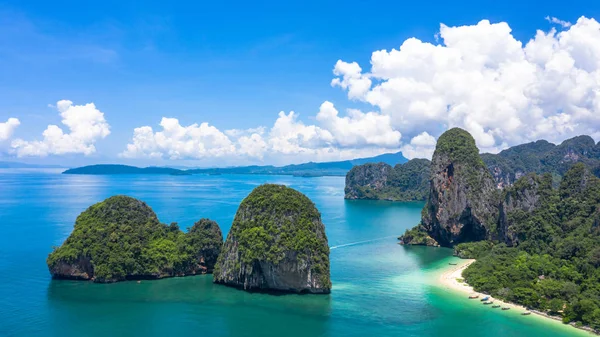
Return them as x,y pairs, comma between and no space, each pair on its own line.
121,238
553,266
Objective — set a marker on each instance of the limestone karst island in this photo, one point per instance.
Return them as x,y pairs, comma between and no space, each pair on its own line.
277,243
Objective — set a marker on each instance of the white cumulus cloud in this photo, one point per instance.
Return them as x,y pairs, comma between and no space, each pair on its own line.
289,135
335,137
481,78
86,125
420,146
564,24
478,77
351,78
175,141
7,128
358,128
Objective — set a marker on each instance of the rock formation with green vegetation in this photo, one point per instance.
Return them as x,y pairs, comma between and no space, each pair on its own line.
410,181
530,216
551,260
542,157
520,200
463,198
417,236
403,182
121,238
277,243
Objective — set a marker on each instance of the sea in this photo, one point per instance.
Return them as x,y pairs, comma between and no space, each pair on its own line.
380,288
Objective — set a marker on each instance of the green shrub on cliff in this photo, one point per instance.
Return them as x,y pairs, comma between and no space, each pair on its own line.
417,236
121,238
459,146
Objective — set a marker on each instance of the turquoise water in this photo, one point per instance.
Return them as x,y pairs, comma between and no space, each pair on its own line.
380,288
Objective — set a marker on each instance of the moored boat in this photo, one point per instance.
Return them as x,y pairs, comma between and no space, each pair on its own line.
506,308
485,298
488,302
496,306
526,313
473,296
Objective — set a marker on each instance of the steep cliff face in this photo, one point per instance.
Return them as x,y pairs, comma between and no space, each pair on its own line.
121,238
403,182
522,198
79,268
463,200
277,242
367,181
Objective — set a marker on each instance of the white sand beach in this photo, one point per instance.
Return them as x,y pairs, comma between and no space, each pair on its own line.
451,278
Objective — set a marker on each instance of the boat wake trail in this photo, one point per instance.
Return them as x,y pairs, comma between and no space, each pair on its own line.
361,242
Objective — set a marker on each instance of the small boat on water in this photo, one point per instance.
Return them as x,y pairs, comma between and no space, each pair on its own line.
452,263
473,297
506,308
488,302
526,313
496,306
485,299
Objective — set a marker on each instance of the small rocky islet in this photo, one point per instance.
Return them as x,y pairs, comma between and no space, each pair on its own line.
277,244
122,239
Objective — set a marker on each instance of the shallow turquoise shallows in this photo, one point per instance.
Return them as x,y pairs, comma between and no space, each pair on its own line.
379,287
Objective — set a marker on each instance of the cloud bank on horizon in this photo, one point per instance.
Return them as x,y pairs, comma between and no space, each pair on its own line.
477,77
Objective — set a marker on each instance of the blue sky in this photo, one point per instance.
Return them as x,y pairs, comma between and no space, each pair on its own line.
235,65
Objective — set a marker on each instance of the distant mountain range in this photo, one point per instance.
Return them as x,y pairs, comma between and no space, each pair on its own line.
336,168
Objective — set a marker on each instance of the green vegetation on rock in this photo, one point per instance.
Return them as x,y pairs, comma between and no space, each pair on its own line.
121,238
276,242
403,182
410,181
534,229
542,157
417,236
553,263
459,146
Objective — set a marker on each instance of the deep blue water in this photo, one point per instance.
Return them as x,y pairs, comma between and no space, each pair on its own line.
380,288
